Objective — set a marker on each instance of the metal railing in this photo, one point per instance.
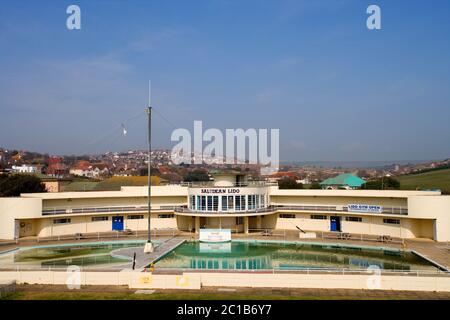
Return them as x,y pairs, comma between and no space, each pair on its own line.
293,235
109,235
339,208
114,209
309,208
184,209
342,271
310,271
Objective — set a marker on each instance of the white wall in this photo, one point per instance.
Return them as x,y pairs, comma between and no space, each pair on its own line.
16,208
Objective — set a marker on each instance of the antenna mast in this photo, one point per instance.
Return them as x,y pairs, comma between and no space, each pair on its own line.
149,246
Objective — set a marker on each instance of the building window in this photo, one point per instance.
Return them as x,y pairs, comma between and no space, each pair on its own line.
61,221
224,203
237,202
105,218
243,202
192,202
230,203
215,203
166,216
318,217
198,203
136,217
239,220
391,221
203,207
287,215
353,219
251,202
210,203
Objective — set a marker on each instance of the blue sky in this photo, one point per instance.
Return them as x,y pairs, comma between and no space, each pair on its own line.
336,90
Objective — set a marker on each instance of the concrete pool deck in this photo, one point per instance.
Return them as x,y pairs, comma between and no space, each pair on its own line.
144,259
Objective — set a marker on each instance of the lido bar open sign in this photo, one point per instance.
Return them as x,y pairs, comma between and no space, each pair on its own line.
364,208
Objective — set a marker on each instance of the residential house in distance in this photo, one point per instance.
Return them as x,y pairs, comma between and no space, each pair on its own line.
24,169
84,168
56,168
343,181
281,175
81,168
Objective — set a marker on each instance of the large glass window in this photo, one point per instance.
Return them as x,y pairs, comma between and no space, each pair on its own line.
237,202
230,203
215,203
210,203
224,203
251,202
192,202
203,208
243,202
199,205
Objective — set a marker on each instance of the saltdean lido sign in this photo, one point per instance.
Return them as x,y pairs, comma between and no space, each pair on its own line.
364,208
221,190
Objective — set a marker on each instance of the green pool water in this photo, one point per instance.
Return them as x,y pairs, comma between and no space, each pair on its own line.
259,255
91,254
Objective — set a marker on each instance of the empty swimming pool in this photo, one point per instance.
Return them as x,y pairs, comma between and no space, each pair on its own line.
253,255
83,254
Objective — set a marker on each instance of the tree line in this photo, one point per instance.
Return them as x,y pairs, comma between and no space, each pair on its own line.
15,184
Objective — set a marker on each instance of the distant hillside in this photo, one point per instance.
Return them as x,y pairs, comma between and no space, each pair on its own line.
434,179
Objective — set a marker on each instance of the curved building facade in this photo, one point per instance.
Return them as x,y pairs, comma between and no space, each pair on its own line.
232,202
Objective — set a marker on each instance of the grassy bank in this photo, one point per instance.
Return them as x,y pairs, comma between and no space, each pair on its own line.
439,179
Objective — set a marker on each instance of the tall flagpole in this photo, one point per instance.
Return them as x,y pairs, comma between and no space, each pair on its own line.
149,246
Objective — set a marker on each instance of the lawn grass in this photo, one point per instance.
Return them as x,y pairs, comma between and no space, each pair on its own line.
439,179
115,183
32,295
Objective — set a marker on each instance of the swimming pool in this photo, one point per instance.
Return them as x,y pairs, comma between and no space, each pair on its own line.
83,254
255,255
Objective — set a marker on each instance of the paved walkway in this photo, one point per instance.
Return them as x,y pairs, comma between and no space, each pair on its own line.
144,259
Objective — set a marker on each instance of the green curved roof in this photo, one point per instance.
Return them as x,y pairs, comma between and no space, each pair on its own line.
345,179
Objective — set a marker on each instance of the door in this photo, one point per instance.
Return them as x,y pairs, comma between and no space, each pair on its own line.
117,223
335,223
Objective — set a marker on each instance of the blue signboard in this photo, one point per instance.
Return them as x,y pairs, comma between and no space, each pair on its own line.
369,208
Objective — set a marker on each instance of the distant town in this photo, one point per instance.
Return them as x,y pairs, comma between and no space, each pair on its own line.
110,170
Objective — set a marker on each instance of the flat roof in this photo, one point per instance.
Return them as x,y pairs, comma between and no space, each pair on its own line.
178,190
128,191
352,193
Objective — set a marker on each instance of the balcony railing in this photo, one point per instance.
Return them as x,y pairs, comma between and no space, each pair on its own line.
183,209
117,209
258,210
336,208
